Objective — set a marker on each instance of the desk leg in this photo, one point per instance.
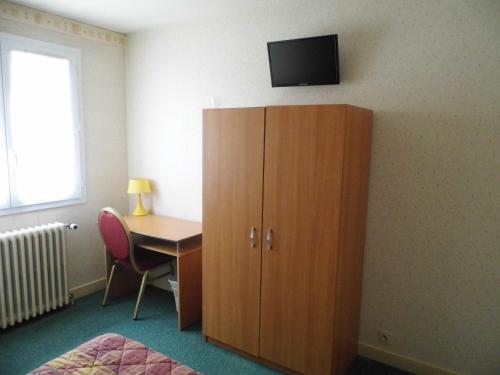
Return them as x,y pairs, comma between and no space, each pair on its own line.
189,278
124,281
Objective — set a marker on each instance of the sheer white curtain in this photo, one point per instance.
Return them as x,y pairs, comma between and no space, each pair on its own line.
40,155
4,173
42,139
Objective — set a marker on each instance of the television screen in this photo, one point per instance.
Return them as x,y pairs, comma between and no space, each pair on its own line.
304,62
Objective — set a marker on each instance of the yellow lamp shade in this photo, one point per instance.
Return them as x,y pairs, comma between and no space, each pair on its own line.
139,185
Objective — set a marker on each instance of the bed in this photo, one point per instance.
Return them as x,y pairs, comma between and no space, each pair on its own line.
112,354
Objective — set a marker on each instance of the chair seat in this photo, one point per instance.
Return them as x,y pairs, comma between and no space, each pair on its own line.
145,260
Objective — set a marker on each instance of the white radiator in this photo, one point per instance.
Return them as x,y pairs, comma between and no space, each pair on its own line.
33,272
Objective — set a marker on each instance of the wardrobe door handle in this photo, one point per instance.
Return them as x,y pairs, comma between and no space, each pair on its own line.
269,239
253,237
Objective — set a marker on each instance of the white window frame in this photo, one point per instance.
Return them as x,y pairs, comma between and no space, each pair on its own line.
7,43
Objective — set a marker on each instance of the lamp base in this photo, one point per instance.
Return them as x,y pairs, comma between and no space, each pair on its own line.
139,209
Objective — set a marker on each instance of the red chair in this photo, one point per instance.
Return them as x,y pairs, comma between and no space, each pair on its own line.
125,254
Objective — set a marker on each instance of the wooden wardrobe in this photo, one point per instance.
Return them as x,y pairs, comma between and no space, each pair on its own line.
284,213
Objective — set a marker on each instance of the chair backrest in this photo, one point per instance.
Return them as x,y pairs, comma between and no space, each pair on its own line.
115,233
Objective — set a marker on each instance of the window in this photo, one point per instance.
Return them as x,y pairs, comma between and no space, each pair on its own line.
41,152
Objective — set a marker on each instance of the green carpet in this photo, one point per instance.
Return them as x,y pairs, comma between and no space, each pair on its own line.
29,345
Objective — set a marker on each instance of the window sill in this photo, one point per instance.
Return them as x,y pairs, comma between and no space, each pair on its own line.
42,206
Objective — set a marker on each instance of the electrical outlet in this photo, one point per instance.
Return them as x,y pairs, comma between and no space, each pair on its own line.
384,336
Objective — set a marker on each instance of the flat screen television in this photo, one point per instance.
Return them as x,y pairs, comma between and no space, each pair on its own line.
304,62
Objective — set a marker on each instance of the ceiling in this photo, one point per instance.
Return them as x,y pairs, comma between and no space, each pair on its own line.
127,16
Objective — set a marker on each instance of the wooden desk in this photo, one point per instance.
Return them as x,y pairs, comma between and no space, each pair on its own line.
177,238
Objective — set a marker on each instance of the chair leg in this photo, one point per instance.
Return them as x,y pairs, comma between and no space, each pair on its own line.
144,281
108,284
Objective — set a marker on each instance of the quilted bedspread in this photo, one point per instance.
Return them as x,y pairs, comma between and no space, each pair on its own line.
112,354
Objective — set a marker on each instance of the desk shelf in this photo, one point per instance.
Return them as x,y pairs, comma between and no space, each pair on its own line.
169,249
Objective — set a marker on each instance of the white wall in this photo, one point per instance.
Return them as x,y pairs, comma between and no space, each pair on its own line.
430,71
103,97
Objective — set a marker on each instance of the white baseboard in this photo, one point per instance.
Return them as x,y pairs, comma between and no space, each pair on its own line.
402,362
88,288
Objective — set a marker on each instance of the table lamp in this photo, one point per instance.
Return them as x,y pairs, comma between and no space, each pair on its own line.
138,186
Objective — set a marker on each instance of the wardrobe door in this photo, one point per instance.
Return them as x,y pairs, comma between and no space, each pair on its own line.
302,190
233,156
